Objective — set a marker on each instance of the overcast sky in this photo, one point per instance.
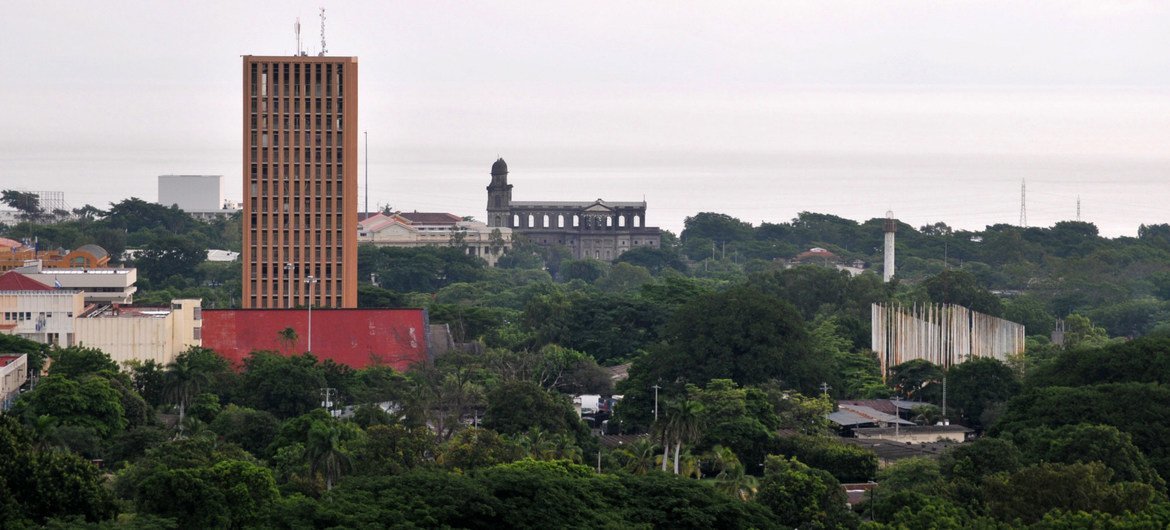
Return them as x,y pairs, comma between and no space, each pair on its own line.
610,99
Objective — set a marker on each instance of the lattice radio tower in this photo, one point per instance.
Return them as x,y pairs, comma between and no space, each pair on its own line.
1023,203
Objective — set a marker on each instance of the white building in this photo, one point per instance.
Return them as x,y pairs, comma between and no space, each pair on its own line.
198,195
420,229
103,286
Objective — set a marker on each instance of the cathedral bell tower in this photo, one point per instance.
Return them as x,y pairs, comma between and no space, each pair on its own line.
499,206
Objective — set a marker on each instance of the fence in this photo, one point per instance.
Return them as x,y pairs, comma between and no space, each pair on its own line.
942,334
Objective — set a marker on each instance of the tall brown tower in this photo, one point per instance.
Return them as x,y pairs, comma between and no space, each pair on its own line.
300,181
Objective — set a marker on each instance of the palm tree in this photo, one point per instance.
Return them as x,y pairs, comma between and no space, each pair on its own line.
287,337
731,478
639,456
325,452
537,444
183,382
683,426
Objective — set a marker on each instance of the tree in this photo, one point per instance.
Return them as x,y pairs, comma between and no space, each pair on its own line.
916,379
654,259
978,384
393,450
801,496
959,287
89,402
284,386
26,202
586,270
1085,443
740,334
1031,492
623,278
731,478
77,361
517,406
252,429
474,448
638,457
683,425
36,485
170,256
326,453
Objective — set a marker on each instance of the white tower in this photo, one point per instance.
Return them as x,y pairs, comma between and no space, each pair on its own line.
888,265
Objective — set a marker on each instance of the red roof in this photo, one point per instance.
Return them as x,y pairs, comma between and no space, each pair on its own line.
15,281
430,218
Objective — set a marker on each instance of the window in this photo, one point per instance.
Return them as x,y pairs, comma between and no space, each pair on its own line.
198,334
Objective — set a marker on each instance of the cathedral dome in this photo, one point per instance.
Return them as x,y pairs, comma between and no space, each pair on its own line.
500,167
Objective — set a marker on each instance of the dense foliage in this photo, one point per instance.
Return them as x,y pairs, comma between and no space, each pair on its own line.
734,359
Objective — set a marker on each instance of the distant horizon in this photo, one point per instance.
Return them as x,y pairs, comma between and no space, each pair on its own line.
758,110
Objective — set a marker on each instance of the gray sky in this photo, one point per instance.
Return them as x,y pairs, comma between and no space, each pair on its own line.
936,109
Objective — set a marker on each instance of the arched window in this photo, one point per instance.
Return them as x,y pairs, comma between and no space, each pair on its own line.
561,221
515,221
576,221
609,222
637,221
498,220
531,221
545,224
622,221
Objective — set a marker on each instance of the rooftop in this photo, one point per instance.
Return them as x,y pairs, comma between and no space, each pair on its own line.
15,281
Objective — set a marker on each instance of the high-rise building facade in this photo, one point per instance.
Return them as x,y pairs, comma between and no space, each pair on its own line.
300,181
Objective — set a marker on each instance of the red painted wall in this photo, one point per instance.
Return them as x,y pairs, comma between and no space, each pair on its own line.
354,337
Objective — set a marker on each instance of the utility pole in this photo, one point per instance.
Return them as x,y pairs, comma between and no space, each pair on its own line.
655,387
327,395
288,268
311,280
944,401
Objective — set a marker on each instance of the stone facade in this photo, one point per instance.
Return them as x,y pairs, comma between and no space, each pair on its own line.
594,229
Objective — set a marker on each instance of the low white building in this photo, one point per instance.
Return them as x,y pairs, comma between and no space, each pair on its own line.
421,229
13,375
101,285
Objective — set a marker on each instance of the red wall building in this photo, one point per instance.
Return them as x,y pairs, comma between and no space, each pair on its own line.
354,337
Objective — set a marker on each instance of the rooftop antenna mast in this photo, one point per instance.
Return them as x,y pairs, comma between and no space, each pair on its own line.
1023,204
297,29
323,48
1078,207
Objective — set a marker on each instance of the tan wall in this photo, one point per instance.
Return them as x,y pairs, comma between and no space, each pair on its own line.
142,338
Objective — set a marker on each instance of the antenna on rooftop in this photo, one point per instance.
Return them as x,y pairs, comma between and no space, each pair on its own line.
323,48
1078,207
297,29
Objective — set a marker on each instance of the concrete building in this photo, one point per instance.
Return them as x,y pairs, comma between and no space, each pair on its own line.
36,311
591,229
201,196
421,229
100,286
300,125
142,333
13,375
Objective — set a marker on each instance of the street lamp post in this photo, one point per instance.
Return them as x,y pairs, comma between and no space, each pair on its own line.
288,268
310,280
